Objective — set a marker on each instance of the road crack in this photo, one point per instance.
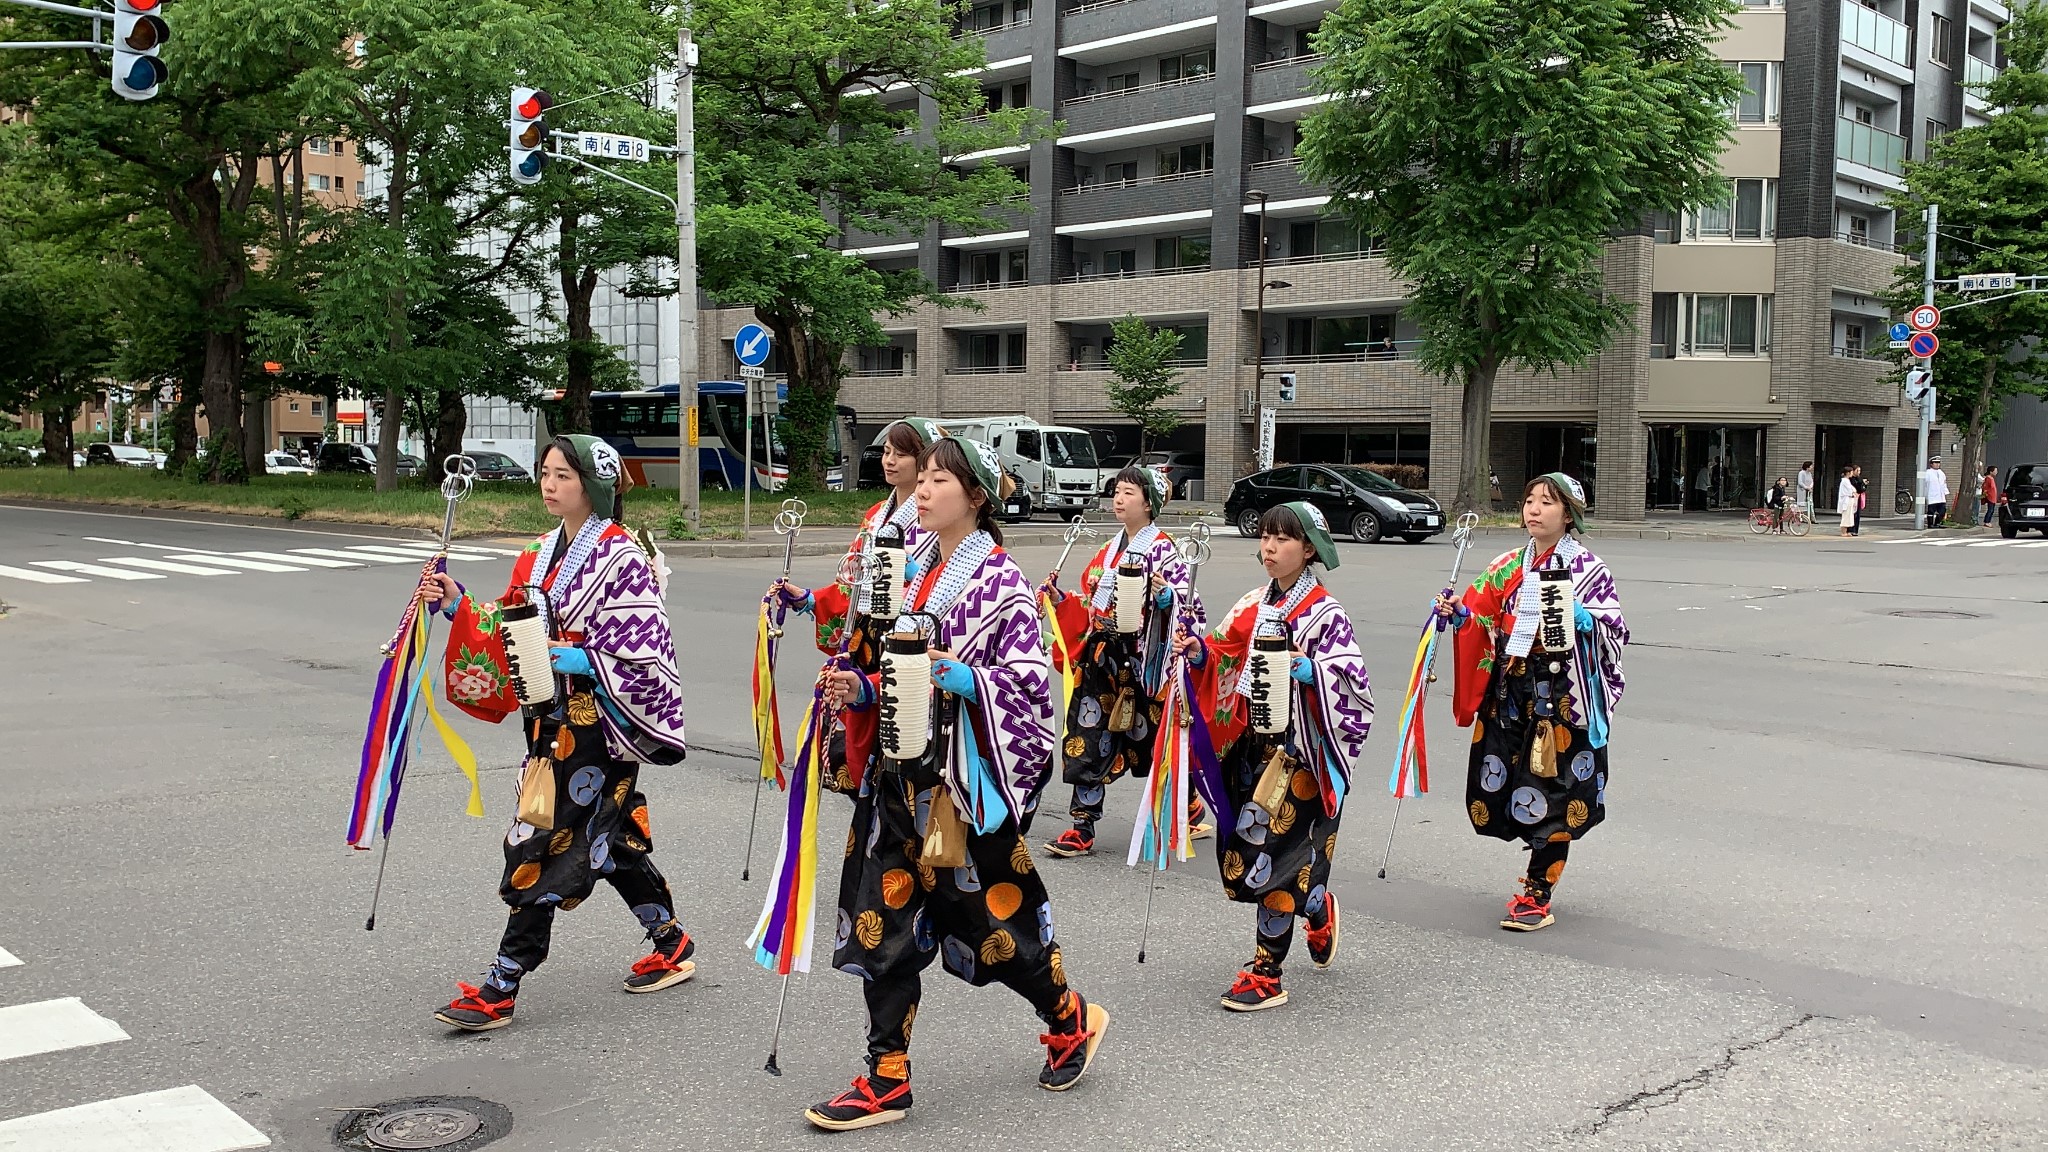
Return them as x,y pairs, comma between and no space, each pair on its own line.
1666,1095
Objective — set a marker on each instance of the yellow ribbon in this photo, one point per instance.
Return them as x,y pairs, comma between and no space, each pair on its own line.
458,749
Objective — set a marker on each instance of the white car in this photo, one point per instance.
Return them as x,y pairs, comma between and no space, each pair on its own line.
284,464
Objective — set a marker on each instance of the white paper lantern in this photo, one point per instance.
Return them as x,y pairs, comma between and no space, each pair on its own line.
906,704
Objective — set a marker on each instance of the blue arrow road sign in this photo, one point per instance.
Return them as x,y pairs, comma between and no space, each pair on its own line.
751,345
1902,331
1924,344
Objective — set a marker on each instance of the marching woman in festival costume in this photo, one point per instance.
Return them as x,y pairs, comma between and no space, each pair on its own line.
1538,676
606,658
936,865
1112,722
1282,678
832,606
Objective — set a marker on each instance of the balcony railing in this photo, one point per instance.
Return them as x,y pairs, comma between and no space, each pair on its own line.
1134,89
1862,240
1869,145
904,371
1104,185
1977,71
1288,61
1103,365
1876,33
1021,22
985,285
1326,257
1077,9
1402,350
1091,277
984,369
1283,164
1850,352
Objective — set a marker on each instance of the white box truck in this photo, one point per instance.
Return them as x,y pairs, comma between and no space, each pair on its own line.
1056,464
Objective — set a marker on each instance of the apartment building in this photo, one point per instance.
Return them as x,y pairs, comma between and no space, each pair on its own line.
1760,341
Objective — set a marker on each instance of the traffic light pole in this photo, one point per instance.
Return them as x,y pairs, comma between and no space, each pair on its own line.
1932,220
95,15
687,469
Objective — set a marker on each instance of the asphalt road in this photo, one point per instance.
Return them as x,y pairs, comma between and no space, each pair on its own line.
1812,919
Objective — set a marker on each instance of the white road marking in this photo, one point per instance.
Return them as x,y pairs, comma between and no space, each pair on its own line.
184,1119
236,562
53,1026
308,561
167,566
9,959
415,553
358,557
38,577
97,570
131,543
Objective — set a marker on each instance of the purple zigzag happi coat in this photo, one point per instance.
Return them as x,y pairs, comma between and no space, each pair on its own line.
1342,712
993,628
614,603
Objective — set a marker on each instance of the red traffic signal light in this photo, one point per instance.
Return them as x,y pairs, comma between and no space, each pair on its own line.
529,134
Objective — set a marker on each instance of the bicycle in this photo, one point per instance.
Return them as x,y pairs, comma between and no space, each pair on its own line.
1791,518
1902,502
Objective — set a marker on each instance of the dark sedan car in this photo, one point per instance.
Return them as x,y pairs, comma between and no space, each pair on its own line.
1355,500
497,466
2026,500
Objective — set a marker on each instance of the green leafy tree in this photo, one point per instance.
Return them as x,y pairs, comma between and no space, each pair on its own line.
1991,181
793,143
1143,377
1496,147
189,162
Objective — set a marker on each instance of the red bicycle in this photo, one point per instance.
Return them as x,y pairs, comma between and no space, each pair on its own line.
1791,518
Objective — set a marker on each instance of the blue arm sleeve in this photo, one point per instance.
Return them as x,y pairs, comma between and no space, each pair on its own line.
571,661
1582,619
1302,670
954,677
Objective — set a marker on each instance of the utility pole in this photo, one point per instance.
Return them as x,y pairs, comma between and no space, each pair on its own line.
687,471
1264,458
1930,220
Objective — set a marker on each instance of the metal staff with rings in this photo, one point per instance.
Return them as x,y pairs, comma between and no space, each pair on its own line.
1194,548
789,521
1411,710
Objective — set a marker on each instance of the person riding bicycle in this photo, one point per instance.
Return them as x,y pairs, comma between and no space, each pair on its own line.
1776,503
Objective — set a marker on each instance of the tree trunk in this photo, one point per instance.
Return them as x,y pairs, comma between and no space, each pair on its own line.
1475,489
222,274
56,436
220,393
579,286
255,431
444,434
813,403
1969,495
184,429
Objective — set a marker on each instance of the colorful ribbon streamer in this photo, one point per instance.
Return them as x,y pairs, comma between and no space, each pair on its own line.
767,713
782,936
1410,776
387,740
1070,676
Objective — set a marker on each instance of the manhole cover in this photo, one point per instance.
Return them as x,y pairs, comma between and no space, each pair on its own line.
1934,614
422,1128
446,1123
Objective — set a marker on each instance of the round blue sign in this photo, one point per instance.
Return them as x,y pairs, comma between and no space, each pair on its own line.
1923,344
751,344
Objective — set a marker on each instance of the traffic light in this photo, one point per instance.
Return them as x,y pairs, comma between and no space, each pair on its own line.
529,134
1286,387
138,35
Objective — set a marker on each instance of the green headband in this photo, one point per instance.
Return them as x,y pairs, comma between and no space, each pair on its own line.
1574,498
982,461
1322,548
927,430
600,466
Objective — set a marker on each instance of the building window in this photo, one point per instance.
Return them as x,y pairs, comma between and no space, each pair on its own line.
318,146
1750,213
1938,36
1120,82
1187,159
293,406
1181,252
359,187
1714,324
319,182
1119,262
1309,239
1859,230
1762,82
995,350
319,407
1664,227
1187,66
1936,129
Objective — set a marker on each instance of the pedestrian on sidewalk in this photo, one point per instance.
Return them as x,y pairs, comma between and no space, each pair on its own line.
1992,498
1862,496
618,704
936,866
1936,483
1846,498
1805,491
1537,682
1128,670
1286,788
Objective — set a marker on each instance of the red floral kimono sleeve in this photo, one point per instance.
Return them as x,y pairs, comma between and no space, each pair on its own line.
1216,680
474,671
1070,617
1487,599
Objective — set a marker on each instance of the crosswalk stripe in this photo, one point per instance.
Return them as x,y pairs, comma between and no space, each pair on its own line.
132,543
186,1119
2033,544
9,959
307,561
416,553
237,562
1990,543
52,1026
359,557
97,570
167,566
35,577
